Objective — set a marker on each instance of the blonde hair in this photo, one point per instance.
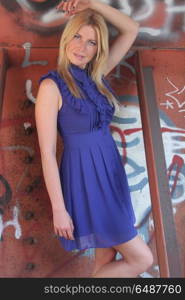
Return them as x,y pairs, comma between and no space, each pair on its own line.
97,65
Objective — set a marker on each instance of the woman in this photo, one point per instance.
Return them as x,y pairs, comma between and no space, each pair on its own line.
89,194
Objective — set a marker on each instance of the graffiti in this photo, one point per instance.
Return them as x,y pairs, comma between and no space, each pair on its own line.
14,222
29,91
19,147
26,62
173,95
176,171
127,133
167,28
4,201
6,198
178,164
39,15
135,166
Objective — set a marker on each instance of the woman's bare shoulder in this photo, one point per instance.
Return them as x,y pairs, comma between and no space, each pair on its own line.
48,84
47,89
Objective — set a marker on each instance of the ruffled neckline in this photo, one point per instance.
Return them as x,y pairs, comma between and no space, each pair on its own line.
82,76
79,73
104,109
75,67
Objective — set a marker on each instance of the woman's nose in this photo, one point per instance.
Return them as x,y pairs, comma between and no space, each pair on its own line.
82,46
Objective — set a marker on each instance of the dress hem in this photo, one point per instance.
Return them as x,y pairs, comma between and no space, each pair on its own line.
81,249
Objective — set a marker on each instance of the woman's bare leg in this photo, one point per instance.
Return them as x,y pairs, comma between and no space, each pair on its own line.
137,258
102,257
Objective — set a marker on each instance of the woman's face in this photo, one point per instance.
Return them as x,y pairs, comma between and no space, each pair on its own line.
83,46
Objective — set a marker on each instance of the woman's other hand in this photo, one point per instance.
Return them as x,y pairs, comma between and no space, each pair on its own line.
71,7
63,224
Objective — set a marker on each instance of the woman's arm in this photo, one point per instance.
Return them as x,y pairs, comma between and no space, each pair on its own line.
117,18
46,110
45,116
127,27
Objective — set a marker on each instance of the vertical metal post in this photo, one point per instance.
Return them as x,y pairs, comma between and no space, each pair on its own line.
165,232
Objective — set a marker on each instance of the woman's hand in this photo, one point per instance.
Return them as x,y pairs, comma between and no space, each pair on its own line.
71,7
63,224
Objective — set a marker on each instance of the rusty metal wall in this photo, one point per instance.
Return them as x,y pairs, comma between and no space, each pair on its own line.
31,32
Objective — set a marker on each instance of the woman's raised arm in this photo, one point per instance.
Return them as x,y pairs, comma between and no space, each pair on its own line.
126,26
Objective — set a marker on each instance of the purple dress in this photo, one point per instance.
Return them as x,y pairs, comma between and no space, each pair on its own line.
93,178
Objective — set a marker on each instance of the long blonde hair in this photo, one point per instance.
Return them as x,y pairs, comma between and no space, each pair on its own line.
97,65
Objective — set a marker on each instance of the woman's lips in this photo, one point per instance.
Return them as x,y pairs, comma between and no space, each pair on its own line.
79,56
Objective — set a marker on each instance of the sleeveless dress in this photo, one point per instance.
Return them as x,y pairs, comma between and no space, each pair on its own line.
93,179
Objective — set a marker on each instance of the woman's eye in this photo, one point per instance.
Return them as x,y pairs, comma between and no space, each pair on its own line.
76,36
92,43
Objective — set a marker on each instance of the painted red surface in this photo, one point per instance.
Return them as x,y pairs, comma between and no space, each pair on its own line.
29,247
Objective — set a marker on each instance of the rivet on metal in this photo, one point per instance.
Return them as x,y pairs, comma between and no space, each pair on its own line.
29,215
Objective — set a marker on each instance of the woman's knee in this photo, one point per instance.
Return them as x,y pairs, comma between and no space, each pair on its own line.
136,253
143,261
103,256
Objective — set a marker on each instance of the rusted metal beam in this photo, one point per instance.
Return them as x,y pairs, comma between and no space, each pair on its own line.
165,232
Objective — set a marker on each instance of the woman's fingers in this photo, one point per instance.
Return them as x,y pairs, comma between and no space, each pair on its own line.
60,5
69,7
63,233
72,235
65,5
75,3
70,231
67,233
64,229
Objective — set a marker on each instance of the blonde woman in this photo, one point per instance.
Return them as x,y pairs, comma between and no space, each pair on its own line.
89,192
